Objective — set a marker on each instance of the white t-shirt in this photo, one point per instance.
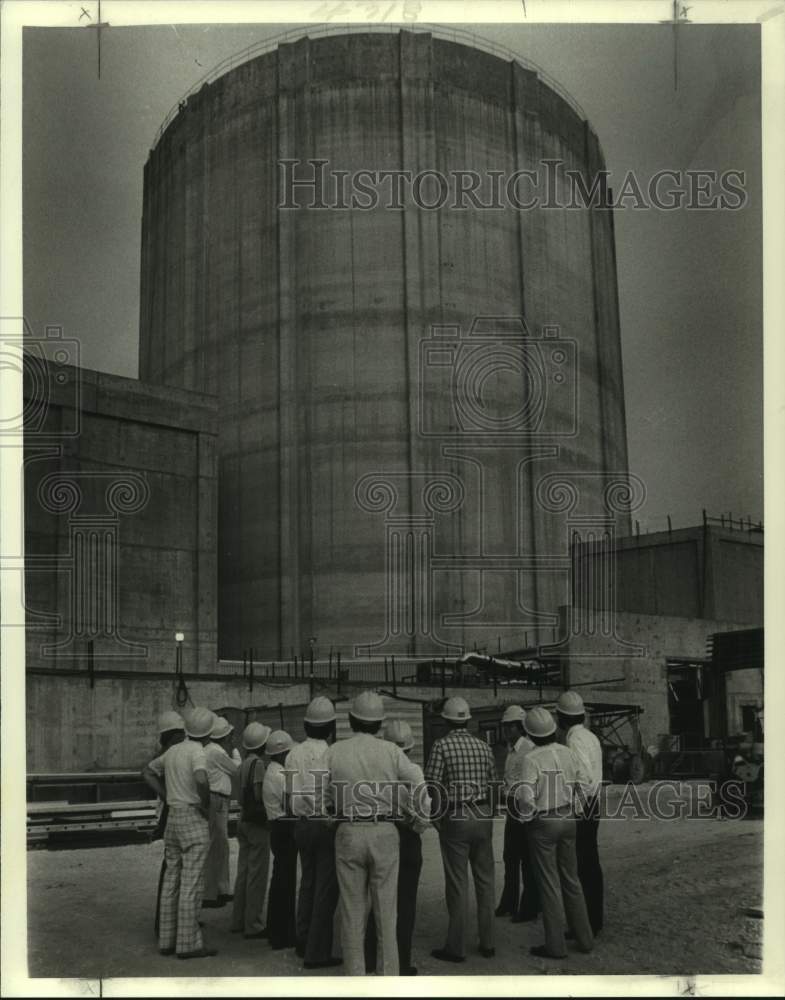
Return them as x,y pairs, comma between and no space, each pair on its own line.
550,775
307,761
586,747
178,767
273,789
220,769
374,777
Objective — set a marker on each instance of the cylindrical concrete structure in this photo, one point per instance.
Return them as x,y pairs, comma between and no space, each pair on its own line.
387,419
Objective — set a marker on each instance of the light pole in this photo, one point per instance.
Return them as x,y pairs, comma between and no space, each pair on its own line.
178,639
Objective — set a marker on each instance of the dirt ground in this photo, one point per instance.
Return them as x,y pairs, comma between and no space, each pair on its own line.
675,895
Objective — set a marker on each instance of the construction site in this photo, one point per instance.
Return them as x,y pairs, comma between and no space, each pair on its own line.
354,460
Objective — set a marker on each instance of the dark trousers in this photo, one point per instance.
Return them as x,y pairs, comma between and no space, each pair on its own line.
409,868
281,908
512,868
467,842
518,870
318,888
589,868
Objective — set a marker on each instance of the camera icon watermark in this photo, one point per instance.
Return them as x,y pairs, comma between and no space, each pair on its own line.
50,372
498,380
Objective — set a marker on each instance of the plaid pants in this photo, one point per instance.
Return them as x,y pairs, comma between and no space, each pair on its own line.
186,842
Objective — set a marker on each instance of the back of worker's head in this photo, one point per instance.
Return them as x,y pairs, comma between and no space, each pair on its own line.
359,726
366,713
512,722
169,737
324,732
566,722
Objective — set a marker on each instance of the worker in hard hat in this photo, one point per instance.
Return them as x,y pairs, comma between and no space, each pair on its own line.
584,744
367,778
171,730
461,774
253,838
520,905
315,836
410,829
180,776
544,801
221,769
282,898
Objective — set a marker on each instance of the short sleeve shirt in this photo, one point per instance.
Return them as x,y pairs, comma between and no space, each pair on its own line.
178,767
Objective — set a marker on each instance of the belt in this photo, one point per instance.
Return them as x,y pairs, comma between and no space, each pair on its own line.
222,795
558,811
368,819
469,802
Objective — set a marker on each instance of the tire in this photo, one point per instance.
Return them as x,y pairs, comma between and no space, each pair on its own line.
637,769
619,769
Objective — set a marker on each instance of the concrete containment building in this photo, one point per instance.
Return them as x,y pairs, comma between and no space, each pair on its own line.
396,383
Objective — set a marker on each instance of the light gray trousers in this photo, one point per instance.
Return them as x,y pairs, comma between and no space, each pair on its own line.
366,860
552,847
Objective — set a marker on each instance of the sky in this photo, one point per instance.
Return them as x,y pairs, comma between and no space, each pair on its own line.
690,283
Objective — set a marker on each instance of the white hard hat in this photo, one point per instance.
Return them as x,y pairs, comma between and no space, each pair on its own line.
320,711
456,710
513,713
399,732
199,722
570,703
170,721
255,735
539,722
221,727
278,742
368,707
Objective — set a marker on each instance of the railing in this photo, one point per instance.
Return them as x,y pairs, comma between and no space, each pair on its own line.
458,35
391,672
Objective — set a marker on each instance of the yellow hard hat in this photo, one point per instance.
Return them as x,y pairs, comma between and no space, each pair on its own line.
513,713
368,707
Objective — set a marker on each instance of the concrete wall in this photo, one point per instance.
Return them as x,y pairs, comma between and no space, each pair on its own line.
596,661
703,572
309,325
113,725
120,521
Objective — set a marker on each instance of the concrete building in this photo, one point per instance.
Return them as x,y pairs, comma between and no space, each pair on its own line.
640,626
120,522
395,383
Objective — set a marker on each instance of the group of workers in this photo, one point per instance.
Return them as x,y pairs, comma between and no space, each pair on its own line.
354,810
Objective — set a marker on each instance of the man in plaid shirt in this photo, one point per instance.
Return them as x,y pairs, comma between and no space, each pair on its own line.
462,768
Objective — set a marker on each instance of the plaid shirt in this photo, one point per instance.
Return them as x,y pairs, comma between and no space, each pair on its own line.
464,765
